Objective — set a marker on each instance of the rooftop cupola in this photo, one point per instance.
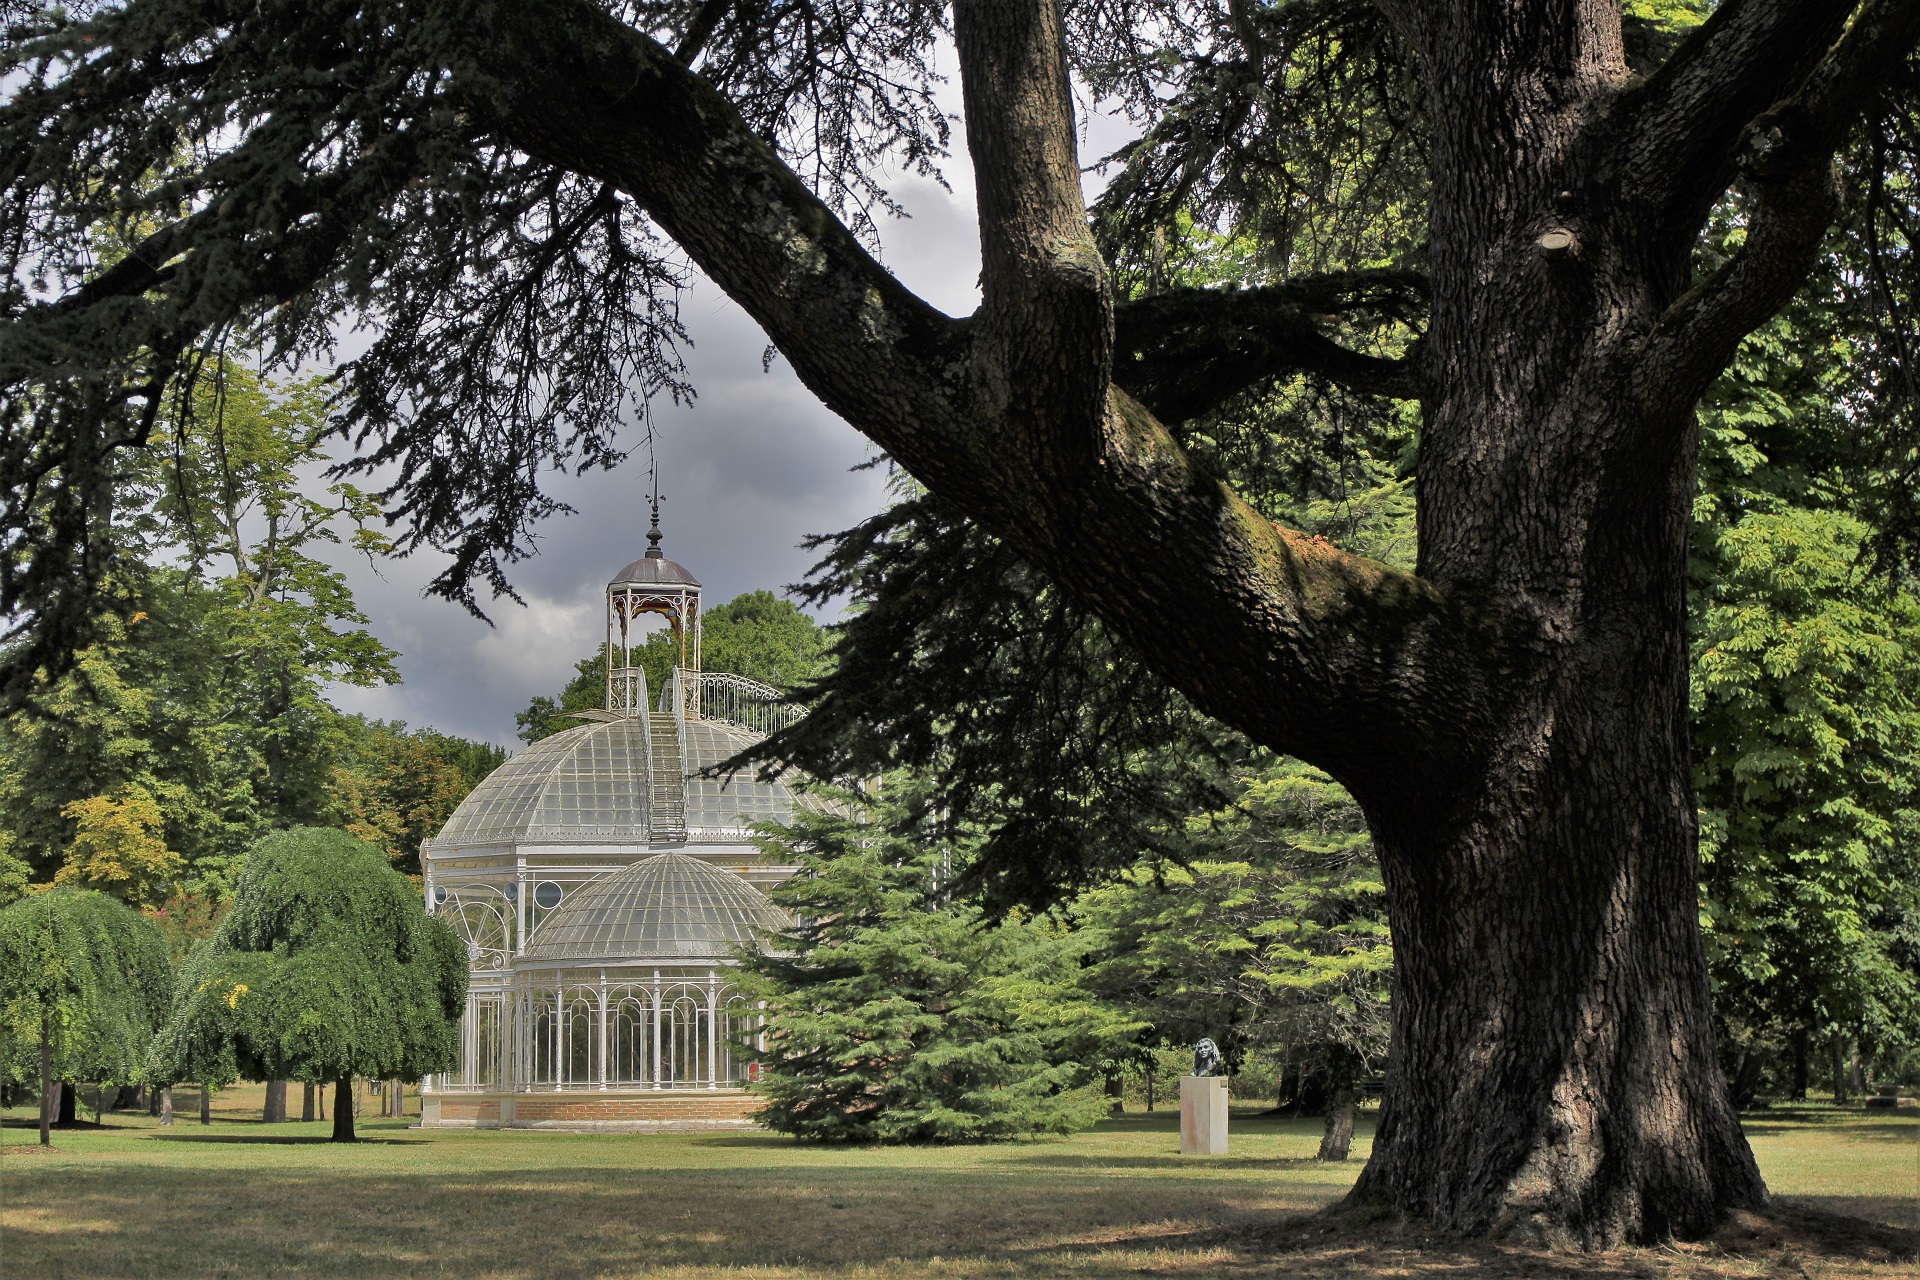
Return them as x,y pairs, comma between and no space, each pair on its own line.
651,584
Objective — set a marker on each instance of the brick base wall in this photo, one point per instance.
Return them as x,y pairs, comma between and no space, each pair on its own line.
640,1110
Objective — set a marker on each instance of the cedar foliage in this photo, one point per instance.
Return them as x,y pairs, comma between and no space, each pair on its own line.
327,967
897,1013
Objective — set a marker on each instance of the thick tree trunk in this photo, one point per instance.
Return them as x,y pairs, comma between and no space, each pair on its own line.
206,1104
396,1098
1554,1066
343,1109
275,1110
166,1105
69,1104
306,1101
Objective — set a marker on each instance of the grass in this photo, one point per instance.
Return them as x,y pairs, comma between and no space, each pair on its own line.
241,1198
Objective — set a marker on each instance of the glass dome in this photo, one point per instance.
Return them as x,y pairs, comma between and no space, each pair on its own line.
591,785
668,909
585,783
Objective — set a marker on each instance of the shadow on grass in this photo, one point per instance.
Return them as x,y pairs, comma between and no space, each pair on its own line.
284,1140
174,1221
1866,1130
1293,1163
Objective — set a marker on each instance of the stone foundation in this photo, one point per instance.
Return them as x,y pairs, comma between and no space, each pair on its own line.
611,1111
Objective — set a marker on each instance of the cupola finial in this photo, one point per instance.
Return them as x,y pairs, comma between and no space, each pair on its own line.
653,534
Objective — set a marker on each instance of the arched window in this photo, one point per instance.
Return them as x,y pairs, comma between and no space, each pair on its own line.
684,1023
632,1037
543,1036
577,1043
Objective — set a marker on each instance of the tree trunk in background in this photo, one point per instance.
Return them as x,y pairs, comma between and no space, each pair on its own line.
153,1100
343,1109
306,1101
47,1086
275,1110
69,1104
1798,1091
1841,1096
206,1104
1339,1137
1115,1085
397,1098
166,1105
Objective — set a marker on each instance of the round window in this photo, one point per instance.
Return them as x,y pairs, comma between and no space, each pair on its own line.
439,894
546,894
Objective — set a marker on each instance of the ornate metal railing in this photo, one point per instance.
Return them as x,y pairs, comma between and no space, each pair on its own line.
720,695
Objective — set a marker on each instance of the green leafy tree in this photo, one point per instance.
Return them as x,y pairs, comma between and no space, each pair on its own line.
897,1014
757,635
327,967
204,686
396,787
84,982
1272,935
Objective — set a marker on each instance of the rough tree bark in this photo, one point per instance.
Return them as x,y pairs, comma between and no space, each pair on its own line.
1513,717
306,1101
275,1109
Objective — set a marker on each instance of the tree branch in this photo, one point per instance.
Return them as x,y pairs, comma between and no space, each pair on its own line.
700,30
1684,126
1010,415
1185,351
1786,159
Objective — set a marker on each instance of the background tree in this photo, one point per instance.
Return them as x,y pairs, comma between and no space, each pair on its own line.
396,787
83,985
204,689
757,635
1271,935
1513,717
1806,729
896,1013
327,967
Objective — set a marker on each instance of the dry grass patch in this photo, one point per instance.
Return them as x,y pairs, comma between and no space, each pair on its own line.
240,1198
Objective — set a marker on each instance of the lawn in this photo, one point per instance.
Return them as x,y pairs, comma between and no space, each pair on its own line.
240,1198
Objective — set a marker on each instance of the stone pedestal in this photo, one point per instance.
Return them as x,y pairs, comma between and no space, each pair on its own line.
1203,1115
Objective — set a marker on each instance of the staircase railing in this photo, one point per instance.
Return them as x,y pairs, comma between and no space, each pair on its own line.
730,699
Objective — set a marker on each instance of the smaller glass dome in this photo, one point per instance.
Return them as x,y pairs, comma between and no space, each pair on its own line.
667,909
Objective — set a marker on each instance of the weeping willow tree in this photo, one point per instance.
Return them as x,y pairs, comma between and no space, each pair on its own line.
327,967
1495,215
84,982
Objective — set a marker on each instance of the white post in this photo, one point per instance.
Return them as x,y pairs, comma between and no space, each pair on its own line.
603,1029
520,905
713,1031
656,1028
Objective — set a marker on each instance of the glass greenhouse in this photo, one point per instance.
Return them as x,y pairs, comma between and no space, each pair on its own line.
604,885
